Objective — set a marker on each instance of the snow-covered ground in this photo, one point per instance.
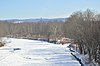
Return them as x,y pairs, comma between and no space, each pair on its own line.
24,52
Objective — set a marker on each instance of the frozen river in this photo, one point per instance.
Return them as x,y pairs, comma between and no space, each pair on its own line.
24,52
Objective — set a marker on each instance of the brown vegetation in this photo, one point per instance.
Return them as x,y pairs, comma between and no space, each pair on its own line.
1,44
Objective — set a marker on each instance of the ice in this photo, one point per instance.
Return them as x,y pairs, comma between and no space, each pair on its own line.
24,52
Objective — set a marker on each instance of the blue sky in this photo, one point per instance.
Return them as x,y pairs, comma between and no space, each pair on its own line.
12,9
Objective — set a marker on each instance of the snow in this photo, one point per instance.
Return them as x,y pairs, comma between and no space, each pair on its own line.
24,52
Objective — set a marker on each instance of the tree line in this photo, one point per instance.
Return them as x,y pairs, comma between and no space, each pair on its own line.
26,29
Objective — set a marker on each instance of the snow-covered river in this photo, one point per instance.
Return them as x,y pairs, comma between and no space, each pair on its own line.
24,52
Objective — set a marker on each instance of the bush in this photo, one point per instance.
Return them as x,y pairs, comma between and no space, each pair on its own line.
1,43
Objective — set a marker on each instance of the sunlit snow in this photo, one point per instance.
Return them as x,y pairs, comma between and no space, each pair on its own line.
24,52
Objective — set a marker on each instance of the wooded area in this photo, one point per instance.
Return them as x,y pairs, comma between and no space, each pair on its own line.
32,29
84,27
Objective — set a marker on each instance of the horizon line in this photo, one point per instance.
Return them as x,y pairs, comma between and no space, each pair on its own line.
33,18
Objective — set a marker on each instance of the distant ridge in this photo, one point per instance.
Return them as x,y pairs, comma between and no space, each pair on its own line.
36,20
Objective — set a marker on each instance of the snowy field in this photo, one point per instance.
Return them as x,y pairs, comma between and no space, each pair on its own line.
24,52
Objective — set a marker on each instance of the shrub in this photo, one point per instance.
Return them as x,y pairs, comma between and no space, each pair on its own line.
1,43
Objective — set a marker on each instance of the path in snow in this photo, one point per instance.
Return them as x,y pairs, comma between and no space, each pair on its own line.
23,52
